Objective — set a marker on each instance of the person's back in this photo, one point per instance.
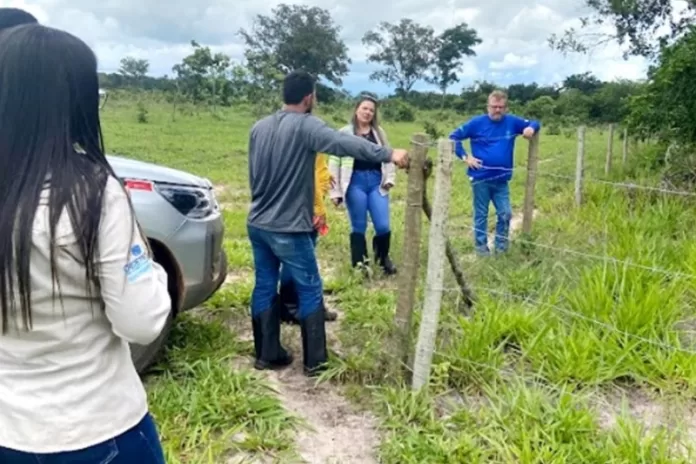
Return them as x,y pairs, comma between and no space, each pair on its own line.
281,173
72,365
282,154
81,279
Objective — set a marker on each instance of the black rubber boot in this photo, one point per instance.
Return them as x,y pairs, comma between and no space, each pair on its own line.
289,304
381,245
358,249
270,354
314,343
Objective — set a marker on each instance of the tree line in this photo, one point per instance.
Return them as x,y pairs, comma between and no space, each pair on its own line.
406,53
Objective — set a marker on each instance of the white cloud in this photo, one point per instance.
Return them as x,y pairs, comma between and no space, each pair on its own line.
514,47
513,61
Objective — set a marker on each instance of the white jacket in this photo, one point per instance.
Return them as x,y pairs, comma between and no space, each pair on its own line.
341,168
70,382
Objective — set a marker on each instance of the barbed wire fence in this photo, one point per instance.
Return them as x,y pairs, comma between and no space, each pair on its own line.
416,359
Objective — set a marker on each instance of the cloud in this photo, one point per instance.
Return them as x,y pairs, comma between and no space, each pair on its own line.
512,61
514,47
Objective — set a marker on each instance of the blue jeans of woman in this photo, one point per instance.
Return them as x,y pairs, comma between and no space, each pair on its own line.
363,196
140,445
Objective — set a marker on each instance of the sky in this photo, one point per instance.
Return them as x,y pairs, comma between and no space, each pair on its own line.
514,34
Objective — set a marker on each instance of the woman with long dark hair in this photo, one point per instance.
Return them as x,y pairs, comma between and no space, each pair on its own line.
364,187
77,281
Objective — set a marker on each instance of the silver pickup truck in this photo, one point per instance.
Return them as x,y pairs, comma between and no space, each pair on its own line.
183,223
181,218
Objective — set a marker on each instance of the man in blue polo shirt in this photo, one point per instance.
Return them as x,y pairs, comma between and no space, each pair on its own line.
490,165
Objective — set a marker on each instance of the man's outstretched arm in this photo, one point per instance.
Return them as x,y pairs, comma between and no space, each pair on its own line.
324,139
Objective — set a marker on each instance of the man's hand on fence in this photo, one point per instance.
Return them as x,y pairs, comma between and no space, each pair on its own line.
473,163
400,157
528,132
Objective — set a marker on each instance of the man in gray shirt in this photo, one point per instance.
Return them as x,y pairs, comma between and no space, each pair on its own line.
282,156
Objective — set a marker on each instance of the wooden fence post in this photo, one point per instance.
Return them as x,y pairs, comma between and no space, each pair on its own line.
467,293
410,257
436,259
624,154
580,165
610,149
532,161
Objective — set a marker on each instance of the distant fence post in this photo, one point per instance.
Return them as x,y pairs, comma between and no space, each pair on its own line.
410,257
610,149
580,165
436,259
624,154
532,160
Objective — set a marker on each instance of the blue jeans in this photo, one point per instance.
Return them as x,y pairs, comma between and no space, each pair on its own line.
140,444
362,197
497,192
295,251
285,274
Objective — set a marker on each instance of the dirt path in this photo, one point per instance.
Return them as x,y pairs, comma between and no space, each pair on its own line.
335,431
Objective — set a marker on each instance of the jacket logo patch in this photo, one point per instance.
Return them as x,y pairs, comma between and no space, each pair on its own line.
139,265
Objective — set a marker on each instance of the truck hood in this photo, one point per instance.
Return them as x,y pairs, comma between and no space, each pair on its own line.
133,169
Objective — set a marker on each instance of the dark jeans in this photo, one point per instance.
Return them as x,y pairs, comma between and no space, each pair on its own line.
295,251
285,274
363,196
497,192
140,445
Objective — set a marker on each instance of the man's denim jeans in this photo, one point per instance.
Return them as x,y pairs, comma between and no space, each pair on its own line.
285,274
295,251
497,192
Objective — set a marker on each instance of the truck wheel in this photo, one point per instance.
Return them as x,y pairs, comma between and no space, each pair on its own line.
144,356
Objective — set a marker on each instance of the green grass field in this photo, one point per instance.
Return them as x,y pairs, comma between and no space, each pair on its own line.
569,357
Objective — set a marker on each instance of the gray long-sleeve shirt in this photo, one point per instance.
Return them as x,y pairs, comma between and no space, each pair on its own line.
282,155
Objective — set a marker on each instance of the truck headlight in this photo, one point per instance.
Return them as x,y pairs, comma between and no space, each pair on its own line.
193,202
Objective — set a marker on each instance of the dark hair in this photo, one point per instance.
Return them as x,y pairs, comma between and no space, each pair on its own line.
51,140
11,17
296,86
375,119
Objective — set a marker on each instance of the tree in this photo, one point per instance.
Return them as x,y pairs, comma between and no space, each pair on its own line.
451,47
541,108
133,70
585,83
610,102
666,106
637,22
203,76
405,51
294,37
